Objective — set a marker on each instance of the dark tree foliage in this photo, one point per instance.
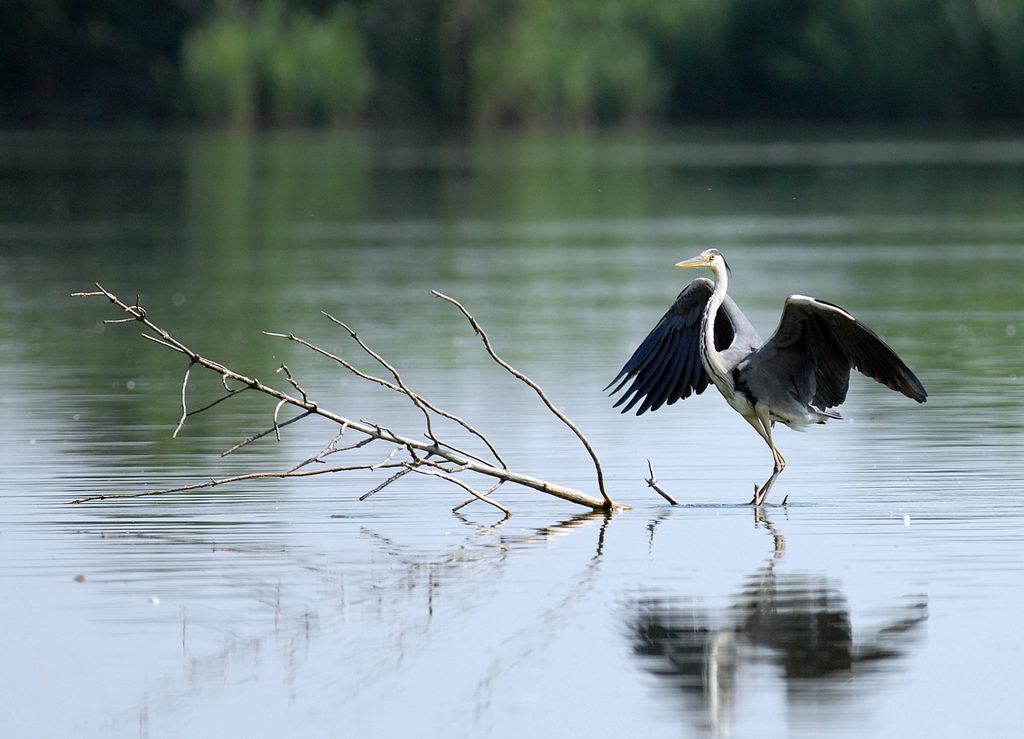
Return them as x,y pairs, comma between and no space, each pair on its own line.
492,62
100,60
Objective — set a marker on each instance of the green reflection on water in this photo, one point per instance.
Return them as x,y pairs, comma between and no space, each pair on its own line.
558,242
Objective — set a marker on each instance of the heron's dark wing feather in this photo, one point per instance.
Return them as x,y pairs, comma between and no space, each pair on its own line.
820,337
667,366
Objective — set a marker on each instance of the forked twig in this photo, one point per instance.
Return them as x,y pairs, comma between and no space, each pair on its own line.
485,493
293,382
652,481
256,437
391,386
537,388
417,401
469,489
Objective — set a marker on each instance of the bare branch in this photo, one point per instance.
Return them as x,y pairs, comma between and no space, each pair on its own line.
463,452
294,383
652,481
221,399
387,459
394,373
161,342
334,357
391,386
261,434
418,450
331,448
400,473
485,493
277,429
236,478
184,405
540,392
461,484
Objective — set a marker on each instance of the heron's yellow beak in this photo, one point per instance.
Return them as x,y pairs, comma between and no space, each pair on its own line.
698,261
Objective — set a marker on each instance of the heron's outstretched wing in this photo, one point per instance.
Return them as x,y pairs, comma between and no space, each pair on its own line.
812,352
666,366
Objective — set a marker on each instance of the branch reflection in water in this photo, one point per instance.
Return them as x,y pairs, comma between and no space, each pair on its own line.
798,624
282,623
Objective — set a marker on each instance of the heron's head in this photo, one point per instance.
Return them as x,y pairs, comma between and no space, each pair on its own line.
710,258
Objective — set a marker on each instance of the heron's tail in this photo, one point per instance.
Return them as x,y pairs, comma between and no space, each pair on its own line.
825,415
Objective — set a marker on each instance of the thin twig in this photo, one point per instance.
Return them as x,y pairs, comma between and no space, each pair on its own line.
540,392
261,434
184,405
332,449
457,450
294,382
391,386
221,399
236,478
161,342
400,473
461,484
277,429
485,493
394,373
653,482
387,459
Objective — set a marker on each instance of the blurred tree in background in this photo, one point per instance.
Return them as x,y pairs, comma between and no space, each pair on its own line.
510,62
275,64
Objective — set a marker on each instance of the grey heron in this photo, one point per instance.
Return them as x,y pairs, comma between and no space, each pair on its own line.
794,378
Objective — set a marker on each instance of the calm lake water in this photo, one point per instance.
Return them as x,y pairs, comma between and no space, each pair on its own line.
883,601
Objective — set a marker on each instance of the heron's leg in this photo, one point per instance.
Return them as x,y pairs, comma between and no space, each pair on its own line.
780,463
763,426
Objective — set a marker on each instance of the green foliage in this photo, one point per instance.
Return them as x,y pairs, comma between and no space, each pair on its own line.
860,59
278,66
498,62
576,61
220,71
315,70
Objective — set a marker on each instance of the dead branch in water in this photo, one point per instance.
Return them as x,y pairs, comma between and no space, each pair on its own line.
652,482
433,457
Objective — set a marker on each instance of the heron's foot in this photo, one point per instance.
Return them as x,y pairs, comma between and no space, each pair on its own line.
760,493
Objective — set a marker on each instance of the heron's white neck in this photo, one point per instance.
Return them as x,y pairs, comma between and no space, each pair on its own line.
717,369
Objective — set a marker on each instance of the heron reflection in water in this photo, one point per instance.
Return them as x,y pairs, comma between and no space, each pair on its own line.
794,378
799,623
